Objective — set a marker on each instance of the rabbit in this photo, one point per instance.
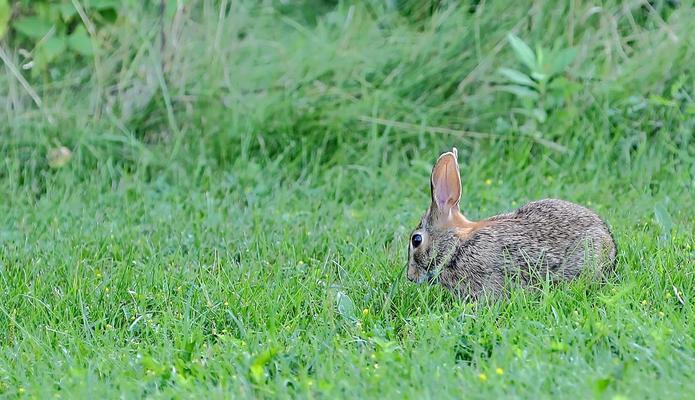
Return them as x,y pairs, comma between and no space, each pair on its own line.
548,239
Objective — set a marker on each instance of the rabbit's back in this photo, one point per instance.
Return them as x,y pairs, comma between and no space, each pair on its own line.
546,238
557,237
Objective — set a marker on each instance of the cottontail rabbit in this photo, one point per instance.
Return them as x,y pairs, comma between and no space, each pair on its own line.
546,239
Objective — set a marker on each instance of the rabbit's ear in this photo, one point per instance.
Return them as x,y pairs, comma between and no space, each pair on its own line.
446,184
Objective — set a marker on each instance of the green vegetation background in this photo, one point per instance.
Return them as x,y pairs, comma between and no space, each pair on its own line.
214,197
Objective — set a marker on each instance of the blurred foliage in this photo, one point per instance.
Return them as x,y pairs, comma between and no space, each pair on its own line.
170,79
540,86
48,29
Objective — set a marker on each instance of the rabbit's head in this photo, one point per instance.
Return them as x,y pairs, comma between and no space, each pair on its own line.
434,241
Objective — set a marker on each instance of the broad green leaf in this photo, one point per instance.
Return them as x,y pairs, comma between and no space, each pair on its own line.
53,47
80,42
257,369
5,12
523,51
150,364
51,12
539,77
256,372
540,56
346,308
67,11
45,53
521,91
562,60
517,77
104,4
33,27
539,114
170,9
602,384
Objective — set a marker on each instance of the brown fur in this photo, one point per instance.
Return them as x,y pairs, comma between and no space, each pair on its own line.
547,239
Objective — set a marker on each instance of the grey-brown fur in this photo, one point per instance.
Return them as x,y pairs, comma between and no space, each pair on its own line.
547,239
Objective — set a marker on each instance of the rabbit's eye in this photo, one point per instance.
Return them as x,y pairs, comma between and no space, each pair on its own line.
416,240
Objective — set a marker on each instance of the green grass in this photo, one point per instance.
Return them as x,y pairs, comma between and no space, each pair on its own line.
234,219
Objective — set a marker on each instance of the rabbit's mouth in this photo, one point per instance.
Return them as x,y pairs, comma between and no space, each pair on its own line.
423,276
431,277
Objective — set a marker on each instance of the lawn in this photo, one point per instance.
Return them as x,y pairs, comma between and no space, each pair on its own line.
233,215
